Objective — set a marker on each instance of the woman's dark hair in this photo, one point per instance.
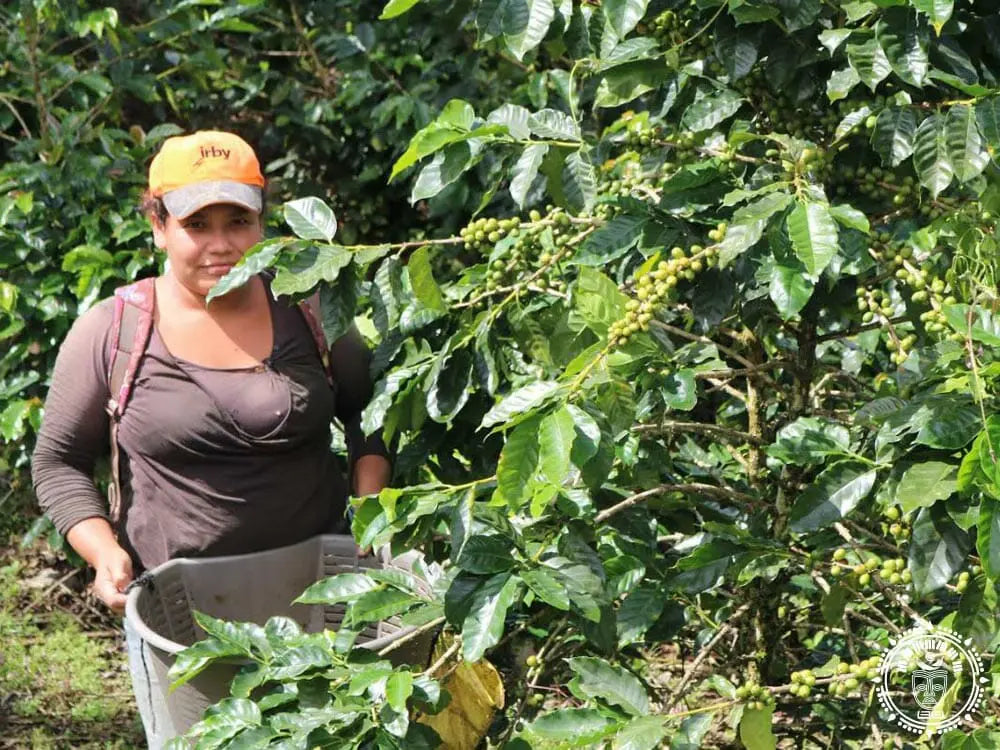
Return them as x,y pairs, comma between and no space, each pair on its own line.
153,207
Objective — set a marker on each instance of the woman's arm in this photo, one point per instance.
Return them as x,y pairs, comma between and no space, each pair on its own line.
94,540
371,468
73,434
371,474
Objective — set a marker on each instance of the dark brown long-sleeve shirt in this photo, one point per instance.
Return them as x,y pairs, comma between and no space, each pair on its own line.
218,461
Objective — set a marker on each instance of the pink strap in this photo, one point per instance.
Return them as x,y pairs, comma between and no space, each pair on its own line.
311,313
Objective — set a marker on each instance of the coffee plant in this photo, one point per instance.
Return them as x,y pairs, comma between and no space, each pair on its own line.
693,405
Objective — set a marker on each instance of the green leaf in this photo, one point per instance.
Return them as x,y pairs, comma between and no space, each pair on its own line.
525,25
311,219
448,165
514,118
789,289
344,587
905,42
398,689
839,85
937,549
801,14
611,241
692,731
546,588
551,123
395,8
710,110
748,225
623,15
988,115
525,171
966,149
309,267
832,495
453,125
486,554
988,536
809,440
924,484
951,426
587,438
850,217
833,605
938,11
975,322
851,121
870,62
378,605
555,440
193,660
755,729
422,280
575,726
623,83
449,384
522,400
579,182
483,625
642,733
518,463
679,390
490,18
612,684
814,235
597,300
256,260
893,136
931,154
736,49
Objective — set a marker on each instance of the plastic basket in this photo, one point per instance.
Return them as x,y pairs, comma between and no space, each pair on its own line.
247,588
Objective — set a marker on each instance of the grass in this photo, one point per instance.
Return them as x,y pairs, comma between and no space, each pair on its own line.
64,680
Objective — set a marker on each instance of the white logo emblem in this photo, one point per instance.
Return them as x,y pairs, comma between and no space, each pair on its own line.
930,680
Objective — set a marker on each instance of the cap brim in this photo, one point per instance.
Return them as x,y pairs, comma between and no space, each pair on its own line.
184,201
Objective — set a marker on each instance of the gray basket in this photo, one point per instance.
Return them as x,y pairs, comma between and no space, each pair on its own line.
247,588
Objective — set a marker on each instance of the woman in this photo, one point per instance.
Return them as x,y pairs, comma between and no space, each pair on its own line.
225,441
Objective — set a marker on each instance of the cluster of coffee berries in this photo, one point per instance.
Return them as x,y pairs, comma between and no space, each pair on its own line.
963,582
483,232
539,243
900,347
895,524
861,571
756,696
802,683
894,572
667,27
641,136
653,286
850,676
874,303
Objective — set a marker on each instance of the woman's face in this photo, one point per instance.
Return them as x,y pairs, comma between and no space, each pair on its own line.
203,247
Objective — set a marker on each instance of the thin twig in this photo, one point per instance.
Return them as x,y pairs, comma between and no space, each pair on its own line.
416,632
704,340
702,655
691,487
452,650
726,433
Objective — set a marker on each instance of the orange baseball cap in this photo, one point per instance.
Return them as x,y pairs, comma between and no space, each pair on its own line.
193,171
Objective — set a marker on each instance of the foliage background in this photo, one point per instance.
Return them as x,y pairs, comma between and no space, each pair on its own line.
708,382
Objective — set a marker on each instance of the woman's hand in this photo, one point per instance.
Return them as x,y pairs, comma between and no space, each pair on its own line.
95,542
114,574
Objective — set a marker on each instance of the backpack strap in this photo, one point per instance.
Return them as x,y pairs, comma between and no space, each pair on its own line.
131,326
311,312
